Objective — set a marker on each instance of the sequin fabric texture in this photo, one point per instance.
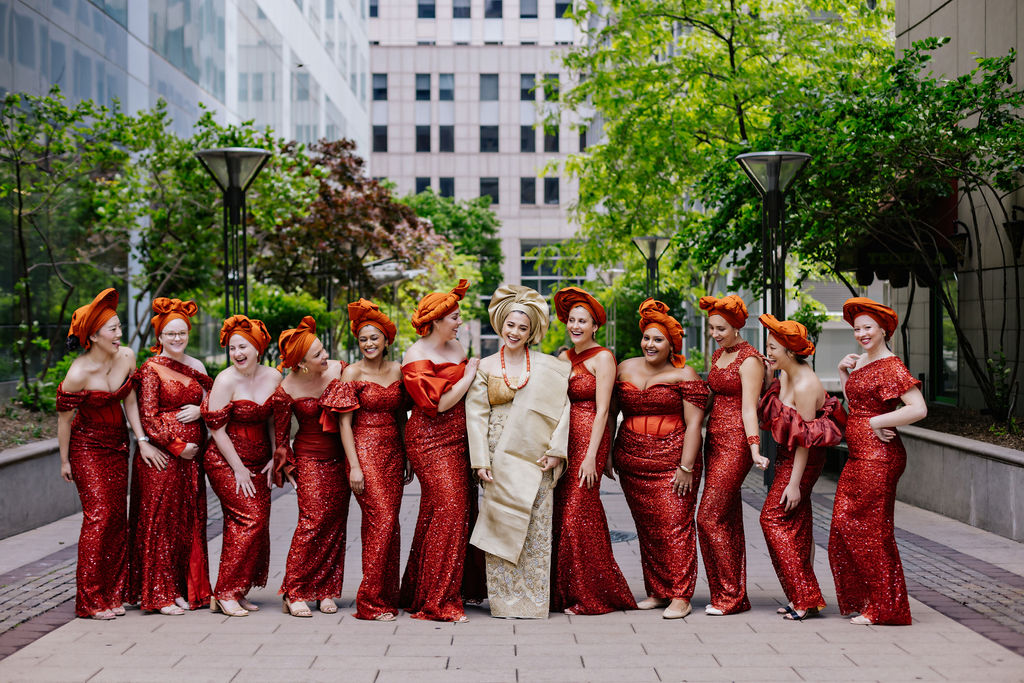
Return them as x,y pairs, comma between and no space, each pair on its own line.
381,454
789,535
586,578
862,548
98,454
437,448
315,566
646,464
727,461
168,507
245,555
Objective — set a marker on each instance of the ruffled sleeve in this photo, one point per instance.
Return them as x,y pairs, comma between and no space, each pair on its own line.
791,431
284,456
67,401
426,386
896,381
340,397
695,392
156,423
215,419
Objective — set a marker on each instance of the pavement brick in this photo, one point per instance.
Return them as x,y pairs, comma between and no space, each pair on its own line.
128,674
34,674
448,676
704,674
355,662
640,673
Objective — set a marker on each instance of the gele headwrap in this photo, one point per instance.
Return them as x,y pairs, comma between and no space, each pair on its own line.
883,315
253,330
729,307
294,343
364,312
655,313
167,310
437,305
86,320
789,333
510,298
568,298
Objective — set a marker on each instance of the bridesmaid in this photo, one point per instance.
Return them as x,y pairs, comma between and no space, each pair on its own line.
314,464
372,403
586,578
655,455
803,419
94,451
238,412
733,445
517,418
862,548
169,568
437,374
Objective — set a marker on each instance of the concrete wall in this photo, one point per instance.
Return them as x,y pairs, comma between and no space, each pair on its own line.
975,482
31,490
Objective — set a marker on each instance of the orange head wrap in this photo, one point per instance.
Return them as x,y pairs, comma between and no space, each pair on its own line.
656,313
789,333
167,310
363,312
253,330
568,298
883,315
86,320
437,305
294,343
729,307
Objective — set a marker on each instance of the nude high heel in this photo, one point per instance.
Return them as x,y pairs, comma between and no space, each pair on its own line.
221,606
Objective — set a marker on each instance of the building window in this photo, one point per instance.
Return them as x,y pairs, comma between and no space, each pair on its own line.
583,138
527,87
380,87
243,87
492,9
425,9
447,186
551,86
561,8
488,138
527,190
527,139
446,87
460,9
550,139
488,87
374,9
527,9
551,191
422,185
446,138
422,138
422,87
489,188
380,138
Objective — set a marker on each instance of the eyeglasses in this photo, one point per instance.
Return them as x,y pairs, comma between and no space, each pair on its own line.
175,335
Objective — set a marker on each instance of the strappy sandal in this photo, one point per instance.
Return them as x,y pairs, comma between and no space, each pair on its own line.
172,610
861,620
228,607
296,609
327,606
385,616
794,615
247,605
103,615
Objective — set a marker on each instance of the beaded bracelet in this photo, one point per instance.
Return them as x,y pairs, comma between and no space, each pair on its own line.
754,440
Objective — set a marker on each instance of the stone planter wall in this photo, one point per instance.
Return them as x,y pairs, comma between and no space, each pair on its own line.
32,492
971,481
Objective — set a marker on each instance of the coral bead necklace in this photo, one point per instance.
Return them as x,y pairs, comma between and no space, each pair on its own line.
504,372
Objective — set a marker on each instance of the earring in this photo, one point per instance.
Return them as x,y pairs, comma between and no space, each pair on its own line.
304,369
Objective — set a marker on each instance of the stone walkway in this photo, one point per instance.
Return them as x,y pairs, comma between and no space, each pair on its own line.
966,597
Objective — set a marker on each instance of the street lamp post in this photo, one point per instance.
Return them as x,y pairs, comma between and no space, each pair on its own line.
234,169
652,247
608,276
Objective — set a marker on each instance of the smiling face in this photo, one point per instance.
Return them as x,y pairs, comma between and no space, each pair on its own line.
581,325
316,357
516,330
243,354
174,337
779,357
722,332
868,333
448,326
372,342
108,338
655,346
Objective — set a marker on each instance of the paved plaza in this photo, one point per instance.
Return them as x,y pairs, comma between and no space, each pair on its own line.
967,598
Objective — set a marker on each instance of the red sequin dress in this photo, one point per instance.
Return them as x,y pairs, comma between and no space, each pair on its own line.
167,538
381,453
315,566
437,448
862,548
98,454
727,461
647,452
245,553
586,578
790,535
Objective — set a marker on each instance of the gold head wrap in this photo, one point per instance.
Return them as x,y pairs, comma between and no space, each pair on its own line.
510,298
